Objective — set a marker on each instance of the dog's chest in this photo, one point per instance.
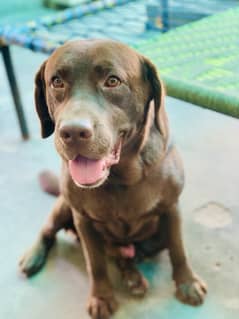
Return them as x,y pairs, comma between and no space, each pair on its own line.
121,214
125,231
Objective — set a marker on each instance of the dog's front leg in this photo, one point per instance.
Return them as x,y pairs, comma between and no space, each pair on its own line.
102,303
35,257
190,288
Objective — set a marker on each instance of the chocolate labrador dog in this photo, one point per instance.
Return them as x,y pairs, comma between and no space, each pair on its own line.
121,173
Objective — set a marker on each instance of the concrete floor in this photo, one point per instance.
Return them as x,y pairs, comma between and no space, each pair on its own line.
209,145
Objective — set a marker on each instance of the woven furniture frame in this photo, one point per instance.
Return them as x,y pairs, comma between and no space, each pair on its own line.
198,62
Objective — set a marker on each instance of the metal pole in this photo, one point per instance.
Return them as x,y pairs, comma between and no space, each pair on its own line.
14,90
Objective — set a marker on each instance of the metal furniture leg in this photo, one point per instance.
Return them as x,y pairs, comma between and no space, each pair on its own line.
14,90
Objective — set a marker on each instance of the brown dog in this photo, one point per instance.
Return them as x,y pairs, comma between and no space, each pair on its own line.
121,174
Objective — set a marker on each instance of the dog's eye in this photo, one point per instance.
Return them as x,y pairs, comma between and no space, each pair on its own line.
112,82
57,82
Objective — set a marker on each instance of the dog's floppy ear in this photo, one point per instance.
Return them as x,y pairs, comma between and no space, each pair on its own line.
157,96
47,125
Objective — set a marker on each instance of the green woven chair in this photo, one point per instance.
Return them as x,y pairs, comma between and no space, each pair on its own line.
199,62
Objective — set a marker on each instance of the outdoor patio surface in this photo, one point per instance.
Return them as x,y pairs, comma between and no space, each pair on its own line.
209,145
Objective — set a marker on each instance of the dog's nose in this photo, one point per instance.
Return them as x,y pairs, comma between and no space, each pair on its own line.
75,130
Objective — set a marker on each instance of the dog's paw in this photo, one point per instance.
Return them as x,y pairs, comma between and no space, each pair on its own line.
136,283
33,260
101,308
192,291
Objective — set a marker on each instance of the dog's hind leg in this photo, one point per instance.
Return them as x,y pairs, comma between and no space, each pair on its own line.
132,278
49,183
36,256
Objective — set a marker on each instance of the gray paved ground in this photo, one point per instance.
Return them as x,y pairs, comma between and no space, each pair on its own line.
209,145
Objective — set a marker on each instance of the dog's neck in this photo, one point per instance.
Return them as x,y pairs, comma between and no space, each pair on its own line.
145,153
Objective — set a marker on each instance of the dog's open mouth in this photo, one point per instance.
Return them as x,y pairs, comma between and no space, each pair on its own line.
90,173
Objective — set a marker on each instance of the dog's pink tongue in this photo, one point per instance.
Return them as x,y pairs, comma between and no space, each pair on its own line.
86,171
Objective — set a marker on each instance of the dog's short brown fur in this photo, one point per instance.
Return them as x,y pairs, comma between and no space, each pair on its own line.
120,94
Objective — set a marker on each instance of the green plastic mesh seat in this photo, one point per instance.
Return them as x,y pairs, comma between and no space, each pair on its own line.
199,62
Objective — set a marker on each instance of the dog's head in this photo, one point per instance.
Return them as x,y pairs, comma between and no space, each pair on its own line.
101,98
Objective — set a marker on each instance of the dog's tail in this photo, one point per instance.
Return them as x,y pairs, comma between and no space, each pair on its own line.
49,183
